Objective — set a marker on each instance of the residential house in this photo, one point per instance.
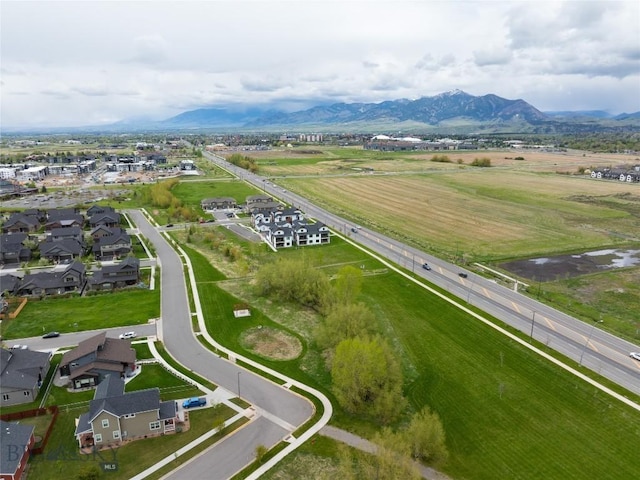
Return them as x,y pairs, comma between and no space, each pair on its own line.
64,250
104,231
13,249
22,372
109,247
16,442
261,203
120,275
74,232
108,219
287,227
9,284
94,358
96,209
21,223
73,220
115,417
71,279
218,203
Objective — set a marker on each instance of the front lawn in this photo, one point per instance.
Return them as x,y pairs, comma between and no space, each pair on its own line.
106,310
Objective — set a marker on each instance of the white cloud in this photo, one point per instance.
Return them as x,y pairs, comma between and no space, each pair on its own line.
111,60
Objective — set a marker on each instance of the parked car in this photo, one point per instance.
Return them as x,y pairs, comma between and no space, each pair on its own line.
426,266
51,335
194,402
463,275
169,225
126,335
635,355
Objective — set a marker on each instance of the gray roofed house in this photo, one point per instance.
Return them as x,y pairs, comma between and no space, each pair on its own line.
9,283
61,250
21,375
16,442
75,220
115,416
95,209
104,231
108,219
12,248
218,202
19,222
120,275
74,232
73,278
95,358
108,247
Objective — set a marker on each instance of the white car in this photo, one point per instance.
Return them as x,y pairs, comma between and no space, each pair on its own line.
635,355
124,336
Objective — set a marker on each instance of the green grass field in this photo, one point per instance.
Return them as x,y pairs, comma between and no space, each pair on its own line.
507,412
127,307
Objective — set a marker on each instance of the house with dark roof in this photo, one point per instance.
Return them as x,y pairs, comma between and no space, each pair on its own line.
261,203
72,278
62,233
108,219
63,250
9,283
13,249
96,209
19,222
109,247
120,275
94,358
73,220
287,227
16,442
104,231
21,374
115,417
218,203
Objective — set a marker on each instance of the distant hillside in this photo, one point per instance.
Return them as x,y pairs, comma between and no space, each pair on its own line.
454,112
446,107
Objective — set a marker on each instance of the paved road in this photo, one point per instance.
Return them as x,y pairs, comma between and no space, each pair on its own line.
280,411
585,343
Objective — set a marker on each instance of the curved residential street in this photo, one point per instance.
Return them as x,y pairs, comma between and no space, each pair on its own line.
279,411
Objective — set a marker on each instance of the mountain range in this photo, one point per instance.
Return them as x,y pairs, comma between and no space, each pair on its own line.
454,112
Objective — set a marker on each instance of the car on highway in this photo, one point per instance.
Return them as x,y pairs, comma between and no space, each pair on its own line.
169,225
194,402
463,275
126,335
426,266
51,335
635,355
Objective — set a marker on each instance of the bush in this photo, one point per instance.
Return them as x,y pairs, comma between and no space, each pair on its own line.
481,162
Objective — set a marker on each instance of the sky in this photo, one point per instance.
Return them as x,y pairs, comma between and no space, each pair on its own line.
67,63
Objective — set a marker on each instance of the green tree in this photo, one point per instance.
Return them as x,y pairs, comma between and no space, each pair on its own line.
345,321
261,451
426,438
367,378
348,285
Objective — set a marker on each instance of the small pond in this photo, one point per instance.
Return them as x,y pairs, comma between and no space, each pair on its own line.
565,266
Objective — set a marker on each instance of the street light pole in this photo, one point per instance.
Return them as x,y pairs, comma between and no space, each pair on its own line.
533,319
588,340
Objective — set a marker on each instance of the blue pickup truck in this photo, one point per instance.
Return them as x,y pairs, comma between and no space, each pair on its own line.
194,402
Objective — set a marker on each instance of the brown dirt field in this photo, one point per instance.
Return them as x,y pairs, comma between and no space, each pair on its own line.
271,343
